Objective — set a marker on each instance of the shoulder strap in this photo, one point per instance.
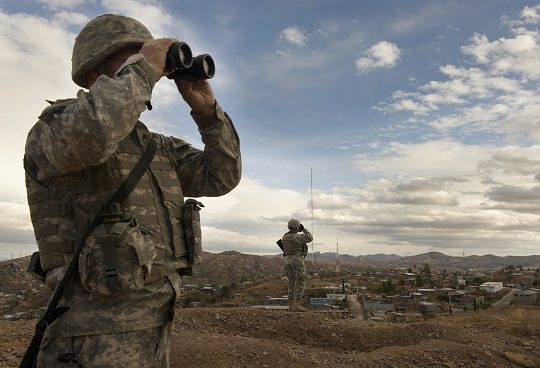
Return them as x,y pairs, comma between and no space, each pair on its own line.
134,176
52,312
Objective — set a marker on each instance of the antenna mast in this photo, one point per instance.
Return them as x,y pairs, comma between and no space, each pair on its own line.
312,230
338,266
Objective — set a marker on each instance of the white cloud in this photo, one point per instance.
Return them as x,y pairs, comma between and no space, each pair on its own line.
34,65
383,54
65,19
497,94
294,35
149,13
519,55
528,15
531,15
60,4
16,233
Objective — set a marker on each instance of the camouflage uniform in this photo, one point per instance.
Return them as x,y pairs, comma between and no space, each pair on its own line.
295,249
78,153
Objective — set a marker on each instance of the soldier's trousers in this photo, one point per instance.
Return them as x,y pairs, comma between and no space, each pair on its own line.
295,270
148,348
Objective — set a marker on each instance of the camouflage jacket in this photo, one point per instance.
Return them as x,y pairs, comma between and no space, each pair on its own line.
295,243
73,137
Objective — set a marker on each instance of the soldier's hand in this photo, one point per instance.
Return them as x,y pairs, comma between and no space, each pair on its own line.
301,228
155,52
198,95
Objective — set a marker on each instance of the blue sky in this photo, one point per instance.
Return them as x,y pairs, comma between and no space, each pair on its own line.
419,119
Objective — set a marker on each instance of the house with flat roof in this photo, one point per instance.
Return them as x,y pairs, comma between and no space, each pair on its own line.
526,297
492,286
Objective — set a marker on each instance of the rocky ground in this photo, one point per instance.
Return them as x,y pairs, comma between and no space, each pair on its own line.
243,337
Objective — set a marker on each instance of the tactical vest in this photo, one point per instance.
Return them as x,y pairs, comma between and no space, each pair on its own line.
156,203
290,246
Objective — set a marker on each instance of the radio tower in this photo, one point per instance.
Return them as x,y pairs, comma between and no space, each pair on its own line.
312,230
338,267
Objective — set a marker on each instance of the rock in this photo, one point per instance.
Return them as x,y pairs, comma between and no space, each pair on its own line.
522,359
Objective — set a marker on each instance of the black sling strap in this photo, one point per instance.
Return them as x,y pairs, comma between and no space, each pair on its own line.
53,311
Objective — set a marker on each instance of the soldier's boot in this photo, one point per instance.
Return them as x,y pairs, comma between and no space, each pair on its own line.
296,307
291,303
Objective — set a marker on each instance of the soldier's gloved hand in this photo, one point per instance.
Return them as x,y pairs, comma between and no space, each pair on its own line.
198,95
155,52
301,228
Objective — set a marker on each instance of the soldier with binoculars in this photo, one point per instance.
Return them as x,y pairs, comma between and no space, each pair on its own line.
124,250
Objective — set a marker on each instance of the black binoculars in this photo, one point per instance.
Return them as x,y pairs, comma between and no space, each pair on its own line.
181,64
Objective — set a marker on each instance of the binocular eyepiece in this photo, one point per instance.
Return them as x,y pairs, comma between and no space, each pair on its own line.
181,64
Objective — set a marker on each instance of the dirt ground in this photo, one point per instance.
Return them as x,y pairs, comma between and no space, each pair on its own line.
243,337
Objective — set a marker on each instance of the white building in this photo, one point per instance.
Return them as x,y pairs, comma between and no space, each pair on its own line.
491,287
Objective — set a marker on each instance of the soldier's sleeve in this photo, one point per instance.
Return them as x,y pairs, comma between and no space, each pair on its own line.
217,169
306,237
87,131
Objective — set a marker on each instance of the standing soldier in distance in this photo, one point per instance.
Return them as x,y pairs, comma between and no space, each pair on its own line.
77,155
295,249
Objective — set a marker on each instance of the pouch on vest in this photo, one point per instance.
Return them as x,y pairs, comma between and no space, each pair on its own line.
192,229
35,269
116,258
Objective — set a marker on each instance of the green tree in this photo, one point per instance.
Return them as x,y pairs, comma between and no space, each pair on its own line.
388,287
225,292
477,280
426,274
419,281
426,270
443,298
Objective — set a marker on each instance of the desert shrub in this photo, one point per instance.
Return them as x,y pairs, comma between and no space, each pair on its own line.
528,321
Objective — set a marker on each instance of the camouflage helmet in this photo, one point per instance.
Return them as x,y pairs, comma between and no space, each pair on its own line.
293,224
101,37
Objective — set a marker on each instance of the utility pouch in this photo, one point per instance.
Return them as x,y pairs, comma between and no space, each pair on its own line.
192,229
34,268
116,258
304,250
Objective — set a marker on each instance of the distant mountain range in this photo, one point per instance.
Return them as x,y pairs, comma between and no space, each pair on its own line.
437,259
232,266
22,293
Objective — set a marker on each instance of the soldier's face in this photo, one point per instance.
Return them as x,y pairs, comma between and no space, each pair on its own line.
111,64
114,61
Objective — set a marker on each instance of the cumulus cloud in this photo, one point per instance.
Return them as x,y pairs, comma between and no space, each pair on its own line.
294,35
507,56
528,15
150,13
496,93
60,4
66,19
32,47
383,54
531,15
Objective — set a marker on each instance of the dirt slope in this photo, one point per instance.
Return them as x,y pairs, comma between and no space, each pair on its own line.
242,337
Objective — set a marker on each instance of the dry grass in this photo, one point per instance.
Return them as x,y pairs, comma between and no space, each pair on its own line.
527,320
